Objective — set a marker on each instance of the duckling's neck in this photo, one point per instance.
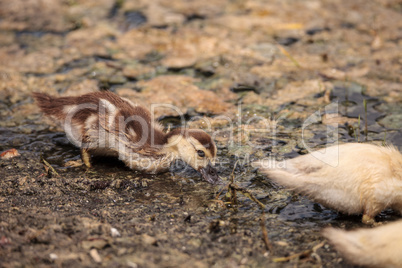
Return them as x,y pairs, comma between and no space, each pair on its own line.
149,162
171,147
155,159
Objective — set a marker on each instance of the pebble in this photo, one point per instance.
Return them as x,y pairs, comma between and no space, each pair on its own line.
53,256
9,154
114,232
95,255
149,240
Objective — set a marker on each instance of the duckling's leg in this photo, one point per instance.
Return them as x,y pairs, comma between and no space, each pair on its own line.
86,157
371,209
369,220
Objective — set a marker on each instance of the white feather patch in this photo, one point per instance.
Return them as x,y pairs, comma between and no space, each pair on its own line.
69,108
132,133
107,111
91,121
130,102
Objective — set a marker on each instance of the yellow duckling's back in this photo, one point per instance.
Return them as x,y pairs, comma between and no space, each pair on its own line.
351,178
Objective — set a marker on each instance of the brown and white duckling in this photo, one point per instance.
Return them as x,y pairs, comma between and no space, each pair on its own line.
102,123
351,178
374,247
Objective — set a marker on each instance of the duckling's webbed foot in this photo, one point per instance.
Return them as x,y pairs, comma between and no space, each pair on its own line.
86,157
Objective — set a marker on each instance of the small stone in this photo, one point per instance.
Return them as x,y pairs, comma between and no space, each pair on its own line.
9,154
135,71
22,181
20,165
149,240
117,79
95,255
132,264
4,241
282,243
96,243
53,256
114,232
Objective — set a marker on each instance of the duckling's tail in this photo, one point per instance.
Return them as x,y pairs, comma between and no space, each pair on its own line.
289,175
49,105
304,177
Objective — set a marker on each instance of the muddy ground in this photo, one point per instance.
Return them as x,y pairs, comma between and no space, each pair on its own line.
248,72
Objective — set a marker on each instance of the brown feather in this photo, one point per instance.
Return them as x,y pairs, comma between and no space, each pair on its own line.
53,106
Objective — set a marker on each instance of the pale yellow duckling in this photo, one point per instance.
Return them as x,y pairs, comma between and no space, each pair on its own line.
103,123
376,247
351,178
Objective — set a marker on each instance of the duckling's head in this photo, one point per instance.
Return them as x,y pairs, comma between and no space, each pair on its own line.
196,148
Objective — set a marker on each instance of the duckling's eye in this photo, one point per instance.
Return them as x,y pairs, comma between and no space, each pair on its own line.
200,153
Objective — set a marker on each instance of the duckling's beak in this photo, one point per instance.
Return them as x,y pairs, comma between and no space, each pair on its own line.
209,174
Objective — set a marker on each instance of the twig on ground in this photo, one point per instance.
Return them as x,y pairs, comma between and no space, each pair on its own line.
232,177
246,193
305,253
265,238
49,169
290,57
232,188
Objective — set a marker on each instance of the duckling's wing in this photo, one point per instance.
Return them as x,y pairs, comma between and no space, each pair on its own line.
379,247
131,125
